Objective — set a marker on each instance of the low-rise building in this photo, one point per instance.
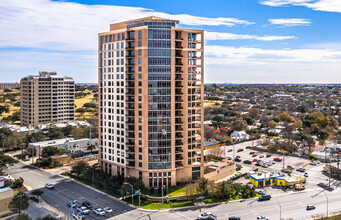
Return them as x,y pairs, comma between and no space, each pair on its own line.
239,136
219,170
6,195
74,146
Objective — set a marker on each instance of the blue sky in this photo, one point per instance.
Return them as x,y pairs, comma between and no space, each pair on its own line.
246,41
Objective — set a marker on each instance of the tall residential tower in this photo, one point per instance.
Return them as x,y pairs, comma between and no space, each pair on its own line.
151,86
46,98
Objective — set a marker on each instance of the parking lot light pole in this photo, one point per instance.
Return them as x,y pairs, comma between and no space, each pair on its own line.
327,203
280,210
162,194
132,192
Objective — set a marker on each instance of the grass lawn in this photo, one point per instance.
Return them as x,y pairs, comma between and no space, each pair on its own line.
212,103
157,206
80,102
178,192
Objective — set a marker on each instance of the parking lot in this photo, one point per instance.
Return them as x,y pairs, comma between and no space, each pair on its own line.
314,172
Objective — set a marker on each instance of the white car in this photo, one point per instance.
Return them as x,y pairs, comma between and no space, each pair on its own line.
306,175
262,218
206,216
108,209
49,186
83,210
99,211
313,163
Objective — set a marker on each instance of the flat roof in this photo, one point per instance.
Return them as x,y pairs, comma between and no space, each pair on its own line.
5,189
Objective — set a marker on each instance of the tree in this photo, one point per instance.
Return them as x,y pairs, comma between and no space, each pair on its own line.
6,161
216,152
47,217
80,110
23,216
254,113
285,117
19,203
91,147
4,108
203,186
18,183
240,125
227,190
49,151
272,124
298,124
79,168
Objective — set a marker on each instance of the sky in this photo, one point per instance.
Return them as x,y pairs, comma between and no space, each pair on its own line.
246,41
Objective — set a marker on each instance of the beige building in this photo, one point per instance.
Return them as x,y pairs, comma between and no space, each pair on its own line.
9,85
6,195
151,90
46,98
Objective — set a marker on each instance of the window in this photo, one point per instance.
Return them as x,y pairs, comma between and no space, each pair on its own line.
140,164
140,60
140,68
140,43
123,36
140,76
140,52
119,37
140,35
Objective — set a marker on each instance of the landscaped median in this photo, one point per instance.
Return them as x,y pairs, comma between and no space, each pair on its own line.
203,191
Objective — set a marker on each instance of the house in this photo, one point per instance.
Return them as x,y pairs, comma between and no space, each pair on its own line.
239,136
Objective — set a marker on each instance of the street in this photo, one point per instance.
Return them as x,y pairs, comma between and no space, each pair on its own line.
65,190
292,206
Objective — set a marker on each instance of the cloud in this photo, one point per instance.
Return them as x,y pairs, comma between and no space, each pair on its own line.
224,55
317,5
290,21
73,26
231,36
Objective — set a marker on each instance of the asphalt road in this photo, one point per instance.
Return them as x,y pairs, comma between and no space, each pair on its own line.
292,206
65,190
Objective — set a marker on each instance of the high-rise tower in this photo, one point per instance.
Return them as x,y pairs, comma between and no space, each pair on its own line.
46,98
151,88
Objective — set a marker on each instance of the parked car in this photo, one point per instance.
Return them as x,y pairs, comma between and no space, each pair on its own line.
254,160
240,149
72,203
306,174
301,169
310,207
247,161
317,161
264,198
206,216
229,158
277,159
254,155
49,186
229,150
234,218
260,192
83,210
313,163
87,204
273,162
261,156
262,218
99,211
252,152
265,165
248,147
108,210
268,155
237,159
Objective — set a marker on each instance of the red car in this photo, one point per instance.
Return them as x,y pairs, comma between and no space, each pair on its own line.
252,152
254,160
255,155
277,159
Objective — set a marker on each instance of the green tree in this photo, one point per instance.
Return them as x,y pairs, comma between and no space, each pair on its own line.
19,203
6,161
49,151
79,168
272,124
4,108
17,183
23,216
203,186
91,147
47,217
227,190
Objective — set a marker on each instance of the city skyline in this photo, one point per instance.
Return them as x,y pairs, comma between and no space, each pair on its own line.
264,41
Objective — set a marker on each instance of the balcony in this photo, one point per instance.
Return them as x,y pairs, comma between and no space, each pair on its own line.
178,121
179,100
178,164
131,163
178,78
130,55
178,64
178,55
130,157
178,158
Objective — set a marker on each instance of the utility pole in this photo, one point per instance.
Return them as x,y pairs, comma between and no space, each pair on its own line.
3,143
20,196
32,149
39,157
22,151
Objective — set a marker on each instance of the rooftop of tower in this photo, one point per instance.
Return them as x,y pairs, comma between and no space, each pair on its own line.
124,24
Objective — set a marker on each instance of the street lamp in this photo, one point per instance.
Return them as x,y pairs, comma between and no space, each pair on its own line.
162,194
327,202
280,210
132,192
